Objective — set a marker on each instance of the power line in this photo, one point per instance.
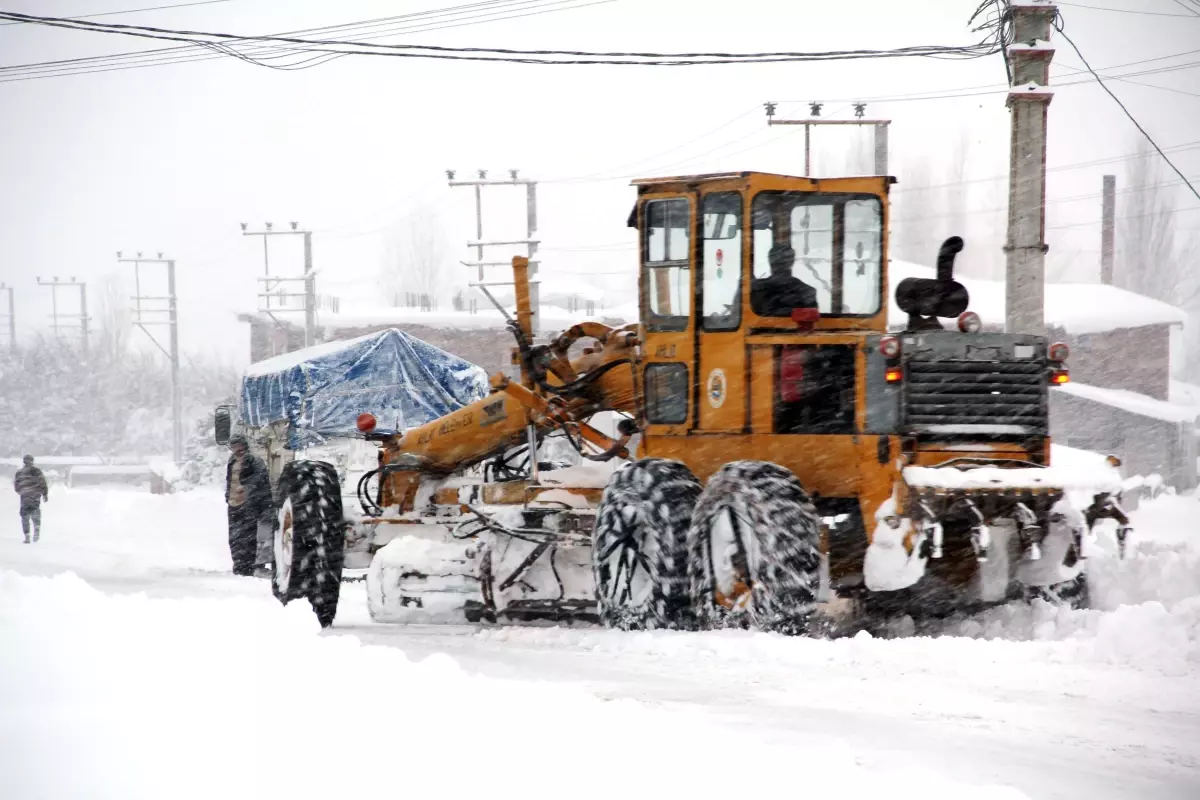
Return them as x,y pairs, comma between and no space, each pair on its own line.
1123,10
1059,27
417,22
990,45
1191,11
134,10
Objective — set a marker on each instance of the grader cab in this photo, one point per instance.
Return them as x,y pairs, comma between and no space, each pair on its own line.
790,450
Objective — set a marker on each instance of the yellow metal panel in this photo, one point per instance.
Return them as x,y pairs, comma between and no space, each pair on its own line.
723,382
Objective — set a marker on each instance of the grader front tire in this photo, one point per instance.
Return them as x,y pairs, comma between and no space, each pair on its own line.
639,551
754,550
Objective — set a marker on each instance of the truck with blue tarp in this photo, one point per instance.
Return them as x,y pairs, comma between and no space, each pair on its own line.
310,401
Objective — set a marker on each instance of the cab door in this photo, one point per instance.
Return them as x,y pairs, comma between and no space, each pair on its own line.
666,221
722,402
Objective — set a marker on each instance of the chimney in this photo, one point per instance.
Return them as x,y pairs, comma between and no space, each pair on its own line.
1108,229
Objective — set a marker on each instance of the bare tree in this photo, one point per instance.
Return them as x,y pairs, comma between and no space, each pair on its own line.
114,317
416,262
1148,260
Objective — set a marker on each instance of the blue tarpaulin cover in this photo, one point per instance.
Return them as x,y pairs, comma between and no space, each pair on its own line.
321,390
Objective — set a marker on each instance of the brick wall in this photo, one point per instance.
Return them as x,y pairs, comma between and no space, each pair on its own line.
1136,359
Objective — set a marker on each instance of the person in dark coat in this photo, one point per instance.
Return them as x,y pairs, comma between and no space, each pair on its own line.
251,511
781,291
30,484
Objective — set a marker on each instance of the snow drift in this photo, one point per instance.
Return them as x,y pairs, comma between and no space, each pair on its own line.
237,698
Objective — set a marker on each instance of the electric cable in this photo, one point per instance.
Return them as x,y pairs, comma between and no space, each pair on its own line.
987,46
1059,26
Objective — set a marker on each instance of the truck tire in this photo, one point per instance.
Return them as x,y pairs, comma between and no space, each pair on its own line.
639,545
754,550
310,538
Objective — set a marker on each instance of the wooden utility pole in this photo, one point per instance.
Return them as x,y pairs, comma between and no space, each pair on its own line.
1108,229
1029,59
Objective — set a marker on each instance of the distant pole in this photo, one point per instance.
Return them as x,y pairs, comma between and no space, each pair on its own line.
1108,229
176,394
878,126
83,316
1029,58
310,293
530,242
12,317
269,284
57,318
144,305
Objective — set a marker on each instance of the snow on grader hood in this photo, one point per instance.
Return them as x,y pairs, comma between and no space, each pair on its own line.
790,450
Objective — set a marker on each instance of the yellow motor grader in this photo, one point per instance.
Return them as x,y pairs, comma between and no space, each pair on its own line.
777,446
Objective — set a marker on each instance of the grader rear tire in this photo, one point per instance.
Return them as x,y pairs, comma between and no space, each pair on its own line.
639,545
754,555
310,538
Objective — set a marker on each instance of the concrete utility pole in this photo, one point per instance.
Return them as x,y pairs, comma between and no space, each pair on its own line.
1108,229
57,317
1029,59
529,242
11,317
879,126
144,305
269,284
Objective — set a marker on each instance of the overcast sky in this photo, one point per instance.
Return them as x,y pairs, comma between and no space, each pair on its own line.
173,157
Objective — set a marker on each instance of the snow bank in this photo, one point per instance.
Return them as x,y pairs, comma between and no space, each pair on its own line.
142,698
112,535
1133,402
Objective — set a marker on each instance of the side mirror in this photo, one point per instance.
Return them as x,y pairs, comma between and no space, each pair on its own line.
223,424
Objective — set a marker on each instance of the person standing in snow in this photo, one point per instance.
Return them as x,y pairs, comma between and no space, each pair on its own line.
251,511
30,484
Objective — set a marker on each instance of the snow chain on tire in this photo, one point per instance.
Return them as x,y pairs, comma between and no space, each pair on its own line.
770,535
639,545
309,491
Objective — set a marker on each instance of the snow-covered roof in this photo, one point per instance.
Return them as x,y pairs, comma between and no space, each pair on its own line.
1133,402
1075,307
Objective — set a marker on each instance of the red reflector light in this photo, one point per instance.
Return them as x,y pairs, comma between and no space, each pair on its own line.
791,375
1058,351
805,318
969,322
1060,376
889,346
366,422
893,374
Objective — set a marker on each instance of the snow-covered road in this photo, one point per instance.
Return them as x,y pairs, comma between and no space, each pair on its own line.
204,685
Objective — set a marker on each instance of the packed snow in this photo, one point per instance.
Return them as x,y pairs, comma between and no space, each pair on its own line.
129,651
1133,402
1100,478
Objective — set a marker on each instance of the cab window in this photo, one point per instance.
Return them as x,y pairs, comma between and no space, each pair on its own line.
814,389
816,251
721,290
665,258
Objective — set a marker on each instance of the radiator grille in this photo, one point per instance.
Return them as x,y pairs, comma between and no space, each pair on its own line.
1001,397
